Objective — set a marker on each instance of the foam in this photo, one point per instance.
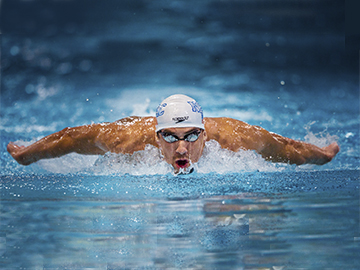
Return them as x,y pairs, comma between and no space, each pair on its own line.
149,162
146,162
219,160
320,139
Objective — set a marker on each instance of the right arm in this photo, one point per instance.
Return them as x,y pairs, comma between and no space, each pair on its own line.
124,136
75,139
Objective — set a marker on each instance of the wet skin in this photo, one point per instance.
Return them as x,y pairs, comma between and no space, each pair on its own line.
132,134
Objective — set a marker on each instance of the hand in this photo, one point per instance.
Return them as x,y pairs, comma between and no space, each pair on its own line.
16,152
331,150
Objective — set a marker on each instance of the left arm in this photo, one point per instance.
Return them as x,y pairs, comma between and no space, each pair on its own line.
234,135
281,149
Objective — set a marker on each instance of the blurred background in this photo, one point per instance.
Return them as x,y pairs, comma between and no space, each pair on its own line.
119,43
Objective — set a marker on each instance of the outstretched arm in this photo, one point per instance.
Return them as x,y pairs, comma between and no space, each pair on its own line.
76,139
281,149
124,136
234,135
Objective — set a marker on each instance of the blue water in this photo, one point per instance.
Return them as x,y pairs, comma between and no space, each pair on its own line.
282,65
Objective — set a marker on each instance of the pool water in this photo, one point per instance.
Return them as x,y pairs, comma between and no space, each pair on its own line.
281,65
239,220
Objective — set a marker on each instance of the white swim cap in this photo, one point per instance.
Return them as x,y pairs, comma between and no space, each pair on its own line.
179,111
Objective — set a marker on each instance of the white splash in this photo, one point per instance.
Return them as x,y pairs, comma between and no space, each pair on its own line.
219,160
149,162
146,162
320,139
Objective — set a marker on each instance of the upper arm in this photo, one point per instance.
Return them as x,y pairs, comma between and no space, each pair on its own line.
126,135
234,135
81,139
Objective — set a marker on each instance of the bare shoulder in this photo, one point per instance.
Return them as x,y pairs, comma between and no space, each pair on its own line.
232,134
136,121
128,134
130,124
217,125
223,121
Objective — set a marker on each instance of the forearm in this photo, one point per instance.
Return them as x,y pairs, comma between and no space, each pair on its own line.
297,152
68,140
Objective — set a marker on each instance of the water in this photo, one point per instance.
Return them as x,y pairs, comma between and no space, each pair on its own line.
295,220
278,64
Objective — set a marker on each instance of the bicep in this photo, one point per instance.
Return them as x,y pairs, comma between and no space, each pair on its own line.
270,146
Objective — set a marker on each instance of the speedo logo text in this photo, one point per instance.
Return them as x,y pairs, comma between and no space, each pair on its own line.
180,119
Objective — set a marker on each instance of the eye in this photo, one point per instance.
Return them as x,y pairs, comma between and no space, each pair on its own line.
169,138
192,137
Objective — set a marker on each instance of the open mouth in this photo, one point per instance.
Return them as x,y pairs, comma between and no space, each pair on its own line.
182,163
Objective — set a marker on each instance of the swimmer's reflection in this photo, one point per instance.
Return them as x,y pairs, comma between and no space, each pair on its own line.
239,229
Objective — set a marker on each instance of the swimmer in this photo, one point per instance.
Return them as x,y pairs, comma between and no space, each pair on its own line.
180,131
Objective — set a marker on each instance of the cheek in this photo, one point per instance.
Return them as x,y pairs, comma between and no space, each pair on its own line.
167,151
196,151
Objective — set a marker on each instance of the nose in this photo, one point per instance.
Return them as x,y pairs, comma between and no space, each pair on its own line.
182,149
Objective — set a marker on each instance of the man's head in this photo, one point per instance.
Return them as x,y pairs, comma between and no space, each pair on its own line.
180,131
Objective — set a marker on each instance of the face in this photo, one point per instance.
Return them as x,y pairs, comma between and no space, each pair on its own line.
180,146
